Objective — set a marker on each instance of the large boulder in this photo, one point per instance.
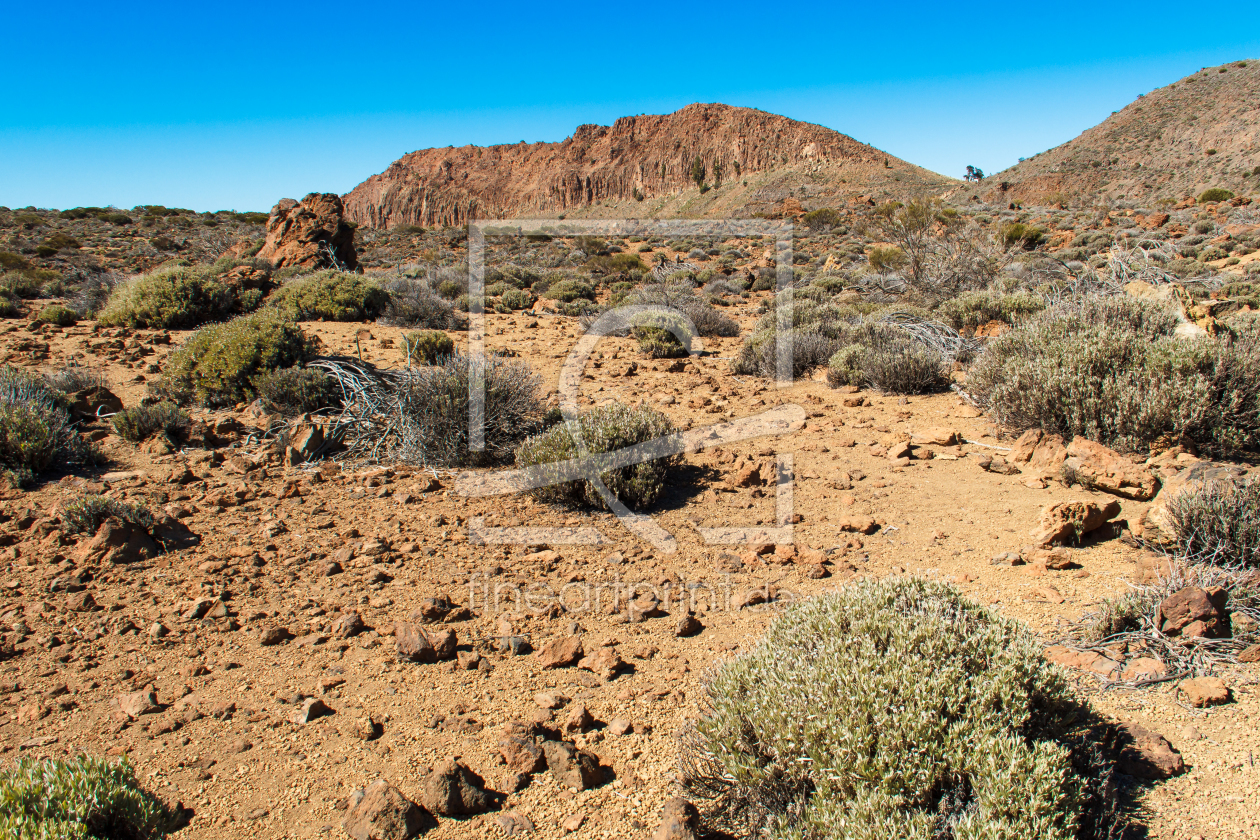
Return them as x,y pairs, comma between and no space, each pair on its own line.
452,789
301,233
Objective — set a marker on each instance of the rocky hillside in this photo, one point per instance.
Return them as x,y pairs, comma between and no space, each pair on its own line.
1200,132
702,160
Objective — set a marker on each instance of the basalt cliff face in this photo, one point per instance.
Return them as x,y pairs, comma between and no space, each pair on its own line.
700,161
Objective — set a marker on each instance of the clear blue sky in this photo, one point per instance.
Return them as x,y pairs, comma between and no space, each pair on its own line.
236,105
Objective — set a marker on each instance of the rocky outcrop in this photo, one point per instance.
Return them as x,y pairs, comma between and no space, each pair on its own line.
311,233
640,160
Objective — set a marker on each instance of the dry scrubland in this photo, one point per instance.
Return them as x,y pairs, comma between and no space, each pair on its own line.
1025,535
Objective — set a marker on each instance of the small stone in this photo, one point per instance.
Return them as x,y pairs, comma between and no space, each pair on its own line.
138,703
311,709
620,726
573,822
274,636
1205,691
579,719
571,767
679,821
563,652
605,662
1146,754
550,699
688,625
350,624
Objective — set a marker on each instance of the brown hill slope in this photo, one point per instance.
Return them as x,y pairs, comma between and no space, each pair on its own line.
641,166
1200,132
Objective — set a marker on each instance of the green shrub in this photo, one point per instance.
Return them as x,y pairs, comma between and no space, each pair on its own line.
427,347
12,262
601,431
20,284
682,297
1219,523
765,282
433,419
330,295
974,309
1113,370
9,307
616,264
1215,194
297,390
76,799
144,421
517,299
885,259
218,364
178,297
86,513
57,314
895,708
1021,235
35,428
569,290
823,217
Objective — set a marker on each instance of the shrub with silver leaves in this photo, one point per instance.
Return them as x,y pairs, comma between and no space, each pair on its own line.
894,709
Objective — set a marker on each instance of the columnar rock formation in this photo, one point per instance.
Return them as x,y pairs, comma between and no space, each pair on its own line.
643,165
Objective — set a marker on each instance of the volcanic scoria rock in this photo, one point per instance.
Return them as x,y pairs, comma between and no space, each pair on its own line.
303,233
1195,613
453,789
383,813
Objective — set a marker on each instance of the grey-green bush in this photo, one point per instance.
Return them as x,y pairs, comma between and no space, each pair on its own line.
35,427
433,420
1113,370
974,309
218,364
601,431
1219,523
180,297
330,295
297,390
894,709
427,347
144,421
77,799
86,513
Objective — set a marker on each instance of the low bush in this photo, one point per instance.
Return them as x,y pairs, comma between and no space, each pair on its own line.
1018,234
822,218
35,427
330,295
1215,194
974,309
682,297
20,284
601,432
9,307
895,708
297,390
177,297
1114,371
1219,523
93,292
888,360
617,264
218,365
413,303
517,299
567,291
427,347
57,314
76,799
887,259
142,422
74,378
86,513
433,415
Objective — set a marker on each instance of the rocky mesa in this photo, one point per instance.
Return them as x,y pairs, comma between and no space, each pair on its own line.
702,160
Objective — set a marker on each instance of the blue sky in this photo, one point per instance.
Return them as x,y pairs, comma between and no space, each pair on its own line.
234,105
